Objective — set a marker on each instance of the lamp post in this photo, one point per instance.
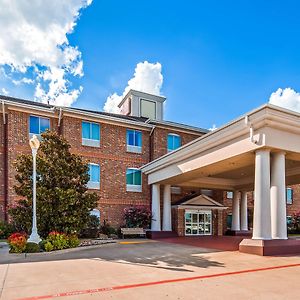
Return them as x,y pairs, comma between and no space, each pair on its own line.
34,145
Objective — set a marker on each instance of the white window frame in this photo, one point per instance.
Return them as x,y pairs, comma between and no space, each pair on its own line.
37,134
173,134
95,185
198,212
132,148
134,187
91,142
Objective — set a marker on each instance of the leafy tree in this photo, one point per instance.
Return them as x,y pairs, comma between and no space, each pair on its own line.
63,202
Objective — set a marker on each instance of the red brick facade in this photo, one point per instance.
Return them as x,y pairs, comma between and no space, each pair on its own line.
113,158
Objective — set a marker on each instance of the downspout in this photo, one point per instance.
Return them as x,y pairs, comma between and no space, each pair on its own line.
59,121
5,161
251,131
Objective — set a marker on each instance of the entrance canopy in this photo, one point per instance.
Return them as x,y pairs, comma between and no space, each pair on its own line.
225,158
258,151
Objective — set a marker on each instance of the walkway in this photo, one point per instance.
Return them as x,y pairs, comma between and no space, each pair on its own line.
222,243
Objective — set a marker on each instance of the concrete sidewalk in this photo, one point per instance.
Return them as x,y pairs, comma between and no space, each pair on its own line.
144,271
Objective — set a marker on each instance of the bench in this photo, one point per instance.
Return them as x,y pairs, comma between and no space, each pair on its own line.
133,231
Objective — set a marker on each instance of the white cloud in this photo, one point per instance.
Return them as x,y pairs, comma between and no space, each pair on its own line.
287,98
34,40
4,92
214,127
147,78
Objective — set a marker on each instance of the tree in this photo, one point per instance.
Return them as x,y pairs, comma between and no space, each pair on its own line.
63,202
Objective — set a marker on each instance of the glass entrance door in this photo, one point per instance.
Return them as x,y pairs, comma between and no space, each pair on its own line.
198,222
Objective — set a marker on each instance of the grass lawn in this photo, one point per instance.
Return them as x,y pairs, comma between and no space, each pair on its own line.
294,234
1,240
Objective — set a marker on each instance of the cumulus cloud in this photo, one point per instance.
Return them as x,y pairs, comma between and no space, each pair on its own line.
287,98
147,78
4,91
34,45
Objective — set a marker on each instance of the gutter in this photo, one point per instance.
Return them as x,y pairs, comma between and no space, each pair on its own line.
108,118
33,107
5,162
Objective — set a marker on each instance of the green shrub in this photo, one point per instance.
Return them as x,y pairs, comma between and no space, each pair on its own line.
48,246
32,248
58,240
92,228
107,229
6,230
42,244
73,241
17,242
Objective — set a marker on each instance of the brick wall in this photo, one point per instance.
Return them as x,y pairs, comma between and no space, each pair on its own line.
1,170
18,143
159,140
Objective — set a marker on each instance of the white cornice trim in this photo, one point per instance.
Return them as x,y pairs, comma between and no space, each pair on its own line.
265,115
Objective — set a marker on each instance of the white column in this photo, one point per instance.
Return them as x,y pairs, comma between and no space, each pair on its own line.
156,223
235,225
262,206
244,212
167,218
278,196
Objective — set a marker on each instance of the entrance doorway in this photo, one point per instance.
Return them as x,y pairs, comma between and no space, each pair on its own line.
198,222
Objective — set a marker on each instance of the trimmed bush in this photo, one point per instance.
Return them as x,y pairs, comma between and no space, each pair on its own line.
73,241
48,246
17,242
32,248
58,240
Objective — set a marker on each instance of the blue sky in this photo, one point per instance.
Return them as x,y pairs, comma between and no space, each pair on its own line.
219,58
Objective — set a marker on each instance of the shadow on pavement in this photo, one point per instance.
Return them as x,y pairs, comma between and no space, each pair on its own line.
152,254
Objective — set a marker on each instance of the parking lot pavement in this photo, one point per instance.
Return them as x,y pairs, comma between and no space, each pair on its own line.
147,270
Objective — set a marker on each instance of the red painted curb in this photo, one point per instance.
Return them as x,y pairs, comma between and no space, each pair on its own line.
130,286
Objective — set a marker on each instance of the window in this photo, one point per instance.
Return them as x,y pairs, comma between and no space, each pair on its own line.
90,134
133,180
38,125
94,172
229,195
134,141
148,109
289,196
174,141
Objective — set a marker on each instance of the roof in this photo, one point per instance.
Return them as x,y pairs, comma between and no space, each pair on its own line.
141,120
199,201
